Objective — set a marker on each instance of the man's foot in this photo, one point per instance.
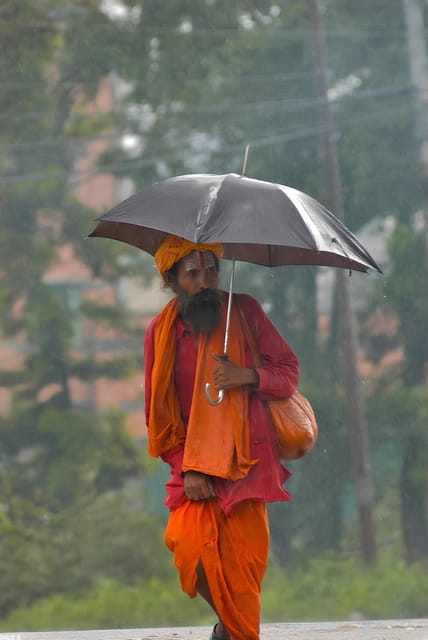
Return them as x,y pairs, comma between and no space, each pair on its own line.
219,633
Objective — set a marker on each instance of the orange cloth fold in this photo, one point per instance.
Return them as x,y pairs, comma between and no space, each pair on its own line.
165,427
233,551
174,248
217,438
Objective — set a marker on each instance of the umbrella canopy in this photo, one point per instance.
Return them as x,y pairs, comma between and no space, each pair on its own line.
256,221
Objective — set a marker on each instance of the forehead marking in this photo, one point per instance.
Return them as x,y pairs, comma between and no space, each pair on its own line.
199,260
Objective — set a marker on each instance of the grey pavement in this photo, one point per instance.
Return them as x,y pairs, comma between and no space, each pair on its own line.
364,630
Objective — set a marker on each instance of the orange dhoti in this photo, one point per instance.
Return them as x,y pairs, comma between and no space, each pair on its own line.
233,551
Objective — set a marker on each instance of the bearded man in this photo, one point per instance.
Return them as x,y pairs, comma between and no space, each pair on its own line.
223,459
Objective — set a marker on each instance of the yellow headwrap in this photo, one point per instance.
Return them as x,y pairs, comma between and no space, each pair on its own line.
174,248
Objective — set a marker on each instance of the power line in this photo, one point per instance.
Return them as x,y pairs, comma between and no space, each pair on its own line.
288,105
49,142
297,101
297,104
274,30
27,114
76,84
17,84
305,133
268,76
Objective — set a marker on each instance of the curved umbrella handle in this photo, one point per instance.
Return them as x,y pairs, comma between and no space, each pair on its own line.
226,340
208,395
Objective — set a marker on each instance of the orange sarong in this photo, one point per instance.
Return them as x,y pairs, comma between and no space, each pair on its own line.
233,551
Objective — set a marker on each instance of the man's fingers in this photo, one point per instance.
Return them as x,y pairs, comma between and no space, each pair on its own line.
198,487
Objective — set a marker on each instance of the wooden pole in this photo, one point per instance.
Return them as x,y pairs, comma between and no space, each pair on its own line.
348,341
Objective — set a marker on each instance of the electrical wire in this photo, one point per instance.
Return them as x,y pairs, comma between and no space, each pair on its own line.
287,105
268,76
75,177
47,142
222,32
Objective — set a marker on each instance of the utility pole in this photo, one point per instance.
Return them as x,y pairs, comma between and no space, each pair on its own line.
348,342
418,64
414,509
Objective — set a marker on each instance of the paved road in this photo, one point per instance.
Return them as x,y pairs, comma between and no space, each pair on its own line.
367,630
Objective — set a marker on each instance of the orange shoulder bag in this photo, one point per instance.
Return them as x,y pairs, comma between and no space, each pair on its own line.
293,418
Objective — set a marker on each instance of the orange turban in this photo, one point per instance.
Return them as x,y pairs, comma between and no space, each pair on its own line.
174,248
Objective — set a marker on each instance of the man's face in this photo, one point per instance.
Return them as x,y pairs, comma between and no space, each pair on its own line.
197,271
199,298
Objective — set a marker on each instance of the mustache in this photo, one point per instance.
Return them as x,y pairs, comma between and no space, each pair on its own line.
201,311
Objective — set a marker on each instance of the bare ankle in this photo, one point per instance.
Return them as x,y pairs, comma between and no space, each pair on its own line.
221,631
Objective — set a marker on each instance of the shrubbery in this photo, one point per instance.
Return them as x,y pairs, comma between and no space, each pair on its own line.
111,605
334,588
330,588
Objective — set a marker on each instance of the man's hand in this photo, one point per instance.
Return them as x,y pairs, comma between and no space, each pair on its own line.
227,375
198,486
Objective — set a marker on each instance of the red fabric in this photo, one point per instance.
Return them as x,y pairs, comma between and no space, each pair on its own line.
278,379
217,439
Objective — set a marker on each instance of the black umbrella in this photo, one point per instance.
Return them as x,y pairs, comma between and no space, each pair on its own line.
255,221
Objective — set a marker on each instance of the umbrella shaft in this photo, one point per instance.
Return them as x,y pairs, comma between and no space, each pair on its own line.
229,308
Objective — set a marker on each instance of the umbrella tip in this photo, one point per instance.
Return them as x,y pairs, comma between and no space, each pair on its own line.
244,165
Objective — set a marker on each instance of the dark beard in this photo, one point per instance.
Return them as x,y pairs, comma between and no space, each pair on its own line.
201,311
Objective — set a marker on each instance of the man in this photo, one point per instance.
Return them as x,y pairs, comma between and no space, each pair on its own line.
224,462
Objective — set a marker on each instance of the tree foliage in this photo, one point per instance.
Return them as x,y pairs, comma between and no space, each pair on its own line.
56,462
203,80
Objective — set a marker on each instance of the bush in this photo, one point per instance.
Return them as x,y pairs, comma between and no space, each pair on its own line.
112,605
334,588
330,588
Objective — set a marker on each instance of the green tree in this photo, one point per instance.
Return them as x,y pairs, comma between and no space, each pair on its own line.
212,78
205,80
407,294
57,463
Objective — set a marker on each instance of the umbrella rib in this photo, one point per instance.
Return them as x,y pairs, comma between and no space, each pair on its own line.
315,233
335,240
206,208
295,198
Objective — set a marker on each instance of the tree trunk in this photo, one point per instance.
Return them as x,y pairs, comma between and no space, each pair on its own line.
413,488
348,341
413,497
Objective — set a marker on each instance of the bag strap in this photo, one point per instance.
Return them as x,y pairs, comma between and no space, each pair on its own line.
249,335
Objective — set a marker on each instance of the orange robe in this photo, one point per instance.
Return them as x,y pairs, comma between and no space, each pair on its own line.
233,548
217,437
233,551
